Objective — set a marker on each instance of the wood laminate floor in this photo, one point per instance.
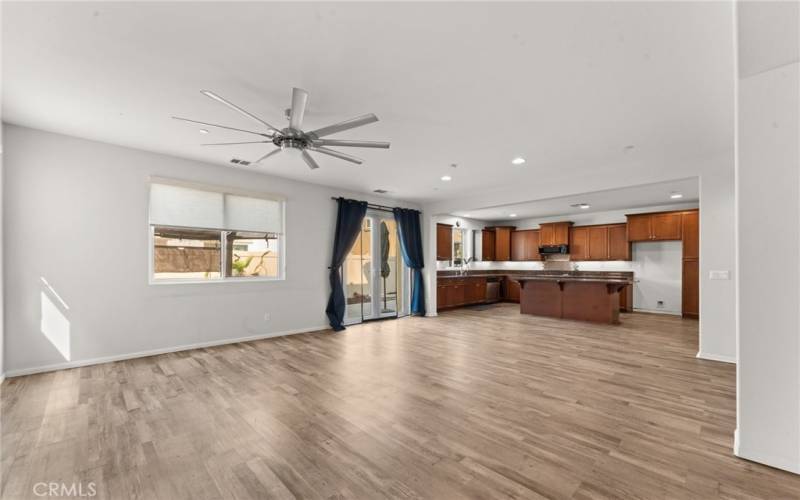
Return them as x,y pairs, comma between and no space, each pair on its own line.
472,404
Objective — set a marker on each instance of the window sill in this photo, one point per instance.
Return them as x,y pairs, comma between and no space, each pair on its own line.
215,281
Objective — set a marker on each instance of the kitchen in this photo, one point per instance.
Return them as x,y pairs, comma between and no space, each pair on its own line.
585,265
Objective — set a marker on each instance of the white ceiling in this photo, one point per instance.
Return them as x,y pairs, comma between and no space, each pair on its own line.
567,85
599,201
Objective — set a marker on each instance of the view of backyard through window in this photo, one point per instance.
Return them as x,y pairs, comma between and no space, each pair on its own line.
197,254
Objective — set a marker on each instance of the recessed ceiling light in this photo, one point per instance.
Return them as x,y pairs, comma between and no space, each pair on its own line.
582,206
446,178
512,215
518,160
203,131
675,196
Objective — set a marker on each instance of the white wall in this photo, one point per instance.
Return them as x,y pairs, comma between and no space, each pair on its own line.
717,297
658,269
75,214
768,210
2,281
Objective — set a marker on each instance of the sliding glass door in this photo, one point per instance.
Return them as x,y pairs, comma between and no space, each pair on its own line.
374,276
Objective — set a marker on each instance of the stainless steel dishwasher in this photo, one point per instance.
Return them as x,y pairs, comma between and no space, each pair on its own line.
492,290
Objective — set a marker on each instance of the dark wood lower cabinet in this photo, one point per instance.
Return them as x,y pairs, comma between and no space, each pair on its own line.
455,292
690,297
511,290
626,299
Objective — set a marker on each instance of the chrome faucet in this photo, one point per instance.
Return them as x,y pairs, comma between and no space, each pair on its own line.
464,266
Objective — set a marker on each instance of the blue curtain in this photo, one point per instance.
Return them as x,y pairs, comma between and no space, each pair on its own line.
349,217
411,246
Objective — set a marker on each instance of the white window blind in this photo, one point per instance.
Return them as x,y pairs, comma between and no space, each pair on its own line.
182,206
243,213
185,207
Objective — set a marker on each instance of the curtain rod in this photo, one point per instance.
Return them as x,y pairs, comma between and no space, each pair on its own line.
373,206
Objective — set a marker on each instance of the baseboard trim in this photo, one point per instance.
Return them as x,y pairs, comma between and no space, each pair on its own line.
656,311
715,357
154,352
764,458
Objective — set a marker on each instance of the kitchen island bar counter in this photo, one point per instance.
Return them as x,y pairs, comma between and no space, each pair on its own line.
581,298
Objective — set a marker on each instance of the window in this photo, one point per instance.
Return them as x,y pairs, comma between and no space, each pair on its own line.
458,246
205,234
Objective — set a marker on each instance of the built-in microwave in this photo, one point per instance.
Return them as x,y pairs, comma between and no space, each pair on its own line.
553,249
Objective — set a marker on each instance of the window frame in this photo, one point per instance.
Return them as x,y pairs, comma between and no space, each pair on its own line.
151,280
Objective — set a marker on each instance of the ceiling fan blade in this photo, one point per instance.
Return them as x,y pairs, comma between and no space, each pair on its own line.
354,144
299,101
309,160
262,134
342,126
234,143
234,107
336,154
273,152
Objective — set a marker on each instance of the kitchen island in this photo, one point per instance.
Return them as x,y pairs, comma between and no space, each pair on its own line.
593,298
475,287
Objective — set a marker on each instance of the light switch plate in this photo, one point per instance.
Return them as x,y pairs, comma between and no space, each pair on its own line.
719,275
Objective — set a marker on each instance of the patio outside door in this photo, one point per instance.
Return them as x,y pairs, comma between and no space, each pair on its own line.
374,276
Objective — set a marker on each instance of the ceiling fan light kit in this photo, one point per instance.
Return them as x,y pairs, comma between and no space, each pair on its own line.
293,138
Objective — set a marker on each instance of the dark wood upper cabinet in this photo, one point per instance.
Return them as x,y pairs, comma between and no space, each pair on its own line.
518,245
598,243
502,248
579,243
554,233
655,227
691,234
444,242
619,248
639,228
525,245
666,226
532,245
487,245
546,234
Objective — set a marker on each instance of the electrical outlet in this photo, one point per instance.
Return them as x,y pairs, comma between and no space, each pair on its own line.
660,304
267,316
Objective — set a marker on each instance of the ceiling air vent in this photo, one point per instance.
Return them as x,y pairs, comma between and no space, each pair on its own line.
240,162
380,191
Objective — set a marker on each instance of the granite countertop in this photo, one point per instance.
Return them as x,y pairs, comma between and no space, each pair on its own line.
626,276
576,279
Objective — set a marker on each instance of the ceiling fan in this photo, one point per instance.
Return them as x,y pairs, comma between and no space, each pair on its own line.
292,138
